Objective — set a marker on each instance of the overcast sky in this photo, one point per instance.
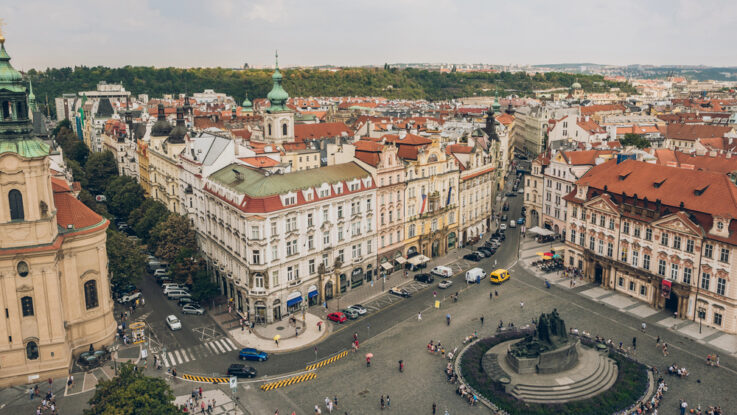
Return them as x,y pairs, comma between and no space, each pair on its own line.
186,33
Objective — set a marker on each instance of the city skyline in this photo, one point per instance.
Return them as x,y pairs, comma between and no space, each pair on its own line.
231,33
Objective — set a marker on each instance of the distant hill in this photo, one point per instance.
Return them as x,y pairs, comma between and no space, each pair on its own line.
389,82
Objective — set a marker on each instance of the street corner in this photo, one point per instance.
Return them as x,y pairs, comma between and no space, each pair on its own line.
284,335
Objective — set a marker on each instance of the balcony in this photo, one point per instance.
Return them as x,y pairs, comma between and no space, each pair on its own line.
293,283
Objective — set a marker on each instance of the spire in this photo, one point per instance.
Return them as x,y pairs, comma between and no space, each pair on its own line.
277,96
31,97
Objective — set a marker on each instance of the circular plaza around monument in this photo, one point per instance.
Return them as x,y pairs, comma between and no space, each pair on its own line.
544,369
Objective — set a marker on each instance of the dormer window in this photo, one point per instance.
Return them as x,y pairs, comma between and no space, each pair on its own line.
289,200
720,225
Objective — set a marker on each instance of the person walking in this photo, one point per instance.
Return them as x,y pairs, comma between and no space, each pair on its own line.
683,405
383,403
482,320
388,402
434,407
335,401
419,316
522,304
634,343
491,295
447,319
368,361
644,326
657,341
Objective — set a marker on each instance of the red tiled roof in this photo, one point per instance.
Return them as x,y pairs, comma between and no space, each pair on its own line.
242,133
70,211
319,131
593,109
693,131
719,163
365,145
409,139
586,157
408,152
458,148
591,127
505,119
259,161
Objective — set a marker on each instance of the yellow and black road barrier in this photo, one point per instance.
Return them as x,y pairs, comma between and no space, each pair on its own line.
204,379
288,381
327,361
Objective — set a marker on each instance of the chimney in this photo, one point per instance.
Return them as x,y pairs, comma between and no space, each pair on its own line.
161,116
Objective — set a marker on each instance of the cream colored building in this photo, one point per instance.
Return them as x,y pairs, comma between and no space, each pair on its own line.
301,159
163,155
477,190
53,263
534,182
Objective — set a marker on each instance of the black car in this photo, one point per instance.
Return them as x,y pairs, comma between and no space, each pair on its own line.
473,256
511,194
504,218
426,278
241,371
486,251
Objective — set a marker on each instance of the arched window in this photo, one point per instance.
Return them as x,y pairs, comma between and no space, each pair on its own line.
284,129
26,305
269,129
15,199
32,351
90,294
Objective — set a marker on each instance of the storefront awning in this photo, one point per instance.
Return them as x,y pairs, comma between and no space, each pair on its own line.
400,260
540,231
312,291
294,298
419,259
387,266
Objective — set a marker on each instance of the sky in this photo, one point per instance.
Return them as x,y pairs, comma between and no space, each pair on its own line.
229,33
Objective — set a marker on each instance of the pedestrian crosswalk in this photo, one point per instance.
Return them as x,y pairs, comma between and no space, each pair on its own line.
200,351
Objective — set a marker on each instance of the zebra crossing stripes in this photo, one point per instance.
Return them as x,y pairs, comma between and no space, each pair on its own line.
191,354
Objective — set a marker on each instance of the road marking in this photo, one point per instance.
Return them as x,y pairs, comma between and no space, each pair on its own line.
209,348
184,356
289,381
225,345
232,346
172,360
178,355
216,345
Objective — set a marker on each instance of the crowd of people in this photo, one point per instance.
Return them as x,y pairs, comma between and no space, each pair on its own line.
48,403
466,393
674,369
651,406
197,402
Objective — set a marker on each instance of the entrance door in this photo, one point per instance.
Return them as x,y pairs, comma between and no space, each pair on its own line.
435,248
328,290
671,303
598,273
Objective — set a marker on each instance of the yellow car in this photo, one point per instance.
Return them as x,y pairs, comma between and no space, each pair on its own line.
499,276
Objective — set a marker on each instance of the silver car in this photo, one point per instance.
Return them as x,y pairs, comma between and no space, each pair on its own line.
193,308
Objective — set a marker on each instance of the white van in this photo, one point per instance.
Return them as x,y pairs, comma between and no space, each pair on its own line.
475,275
442,271
512,224
169,286
177,294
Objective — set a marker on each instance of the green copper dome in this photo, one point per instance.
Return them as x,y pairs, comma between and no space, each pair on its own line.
247,104
277,96
9,77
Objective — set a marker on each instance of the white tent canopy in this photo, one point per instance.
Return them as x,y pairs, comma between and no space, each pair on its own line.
419,259
540,231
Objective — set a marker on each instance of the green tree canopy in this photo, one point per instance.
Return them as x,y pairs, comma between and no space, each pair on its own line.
132,393
204,288
78,173
173,235
100,168
123,195
125,259
636,140
145,217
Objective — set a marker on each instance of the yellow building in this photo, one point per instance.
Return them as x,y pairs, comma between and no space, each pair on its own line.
431,196
53,263
301,159
163,154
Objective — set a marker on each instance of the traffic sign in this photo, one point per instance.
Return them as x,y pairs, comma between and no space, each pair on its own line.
233,382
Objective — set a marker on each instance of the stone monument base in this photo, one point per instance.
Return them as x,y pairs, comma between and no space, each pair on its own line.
553,361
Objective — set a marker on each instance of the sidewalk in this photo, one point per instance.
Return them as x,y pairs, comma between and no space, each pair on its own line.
725,342
262,337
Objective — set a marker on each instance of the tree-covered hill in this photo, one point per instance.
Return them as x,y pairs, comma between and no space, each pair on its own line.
390,82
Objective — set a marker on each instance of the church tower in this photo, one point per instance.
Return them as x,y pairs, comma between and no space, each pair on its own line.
278,119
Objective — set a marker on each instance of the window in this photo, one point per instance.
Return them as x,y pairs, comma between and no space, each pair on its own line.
721,286
434,225
581,239
702,313
90,294
623,254
369,204
573,236
284,129
369,247
259,280
26,304
274,252
687,276
325,261
340,233
676,242
22,268
646,261
255,232
256,256
643,290
292,224
273,229
292,247
290,200
309,220
593,218
575,210
601,247
382,218
355,208
411,230
635,258
310,242
674,272
648,234
340,256
356,250
326,238
637,231
724,255
717,318
626,228
399,237
708,250
661,267
689,246
355,229
602,221
632,285
340,211
705,278
31,351
620,282
610,249
592,241
15,200
611,223
391,216
292,273
311,266
664,239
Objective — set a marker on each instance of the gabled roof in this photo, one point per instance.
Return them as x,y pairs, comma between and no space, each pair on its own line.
409,139
586,157
458,148
320,131
71,211
693,131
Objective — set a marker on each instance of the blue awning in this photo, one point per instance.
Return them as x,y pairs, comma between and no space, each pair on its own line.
294,301
312,294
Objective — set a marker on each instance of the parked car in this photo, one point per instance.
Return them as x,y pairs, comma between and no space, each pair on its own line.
174,287
426,278
442,271
504,218
488,252
473,256
161,272
129,297
400,292
337,317
359,309
512,194
445,284
185,300
249,353
173,322
475,275
193,308
350,313
178,294
503,227
241,371
124,289
512,223
521,191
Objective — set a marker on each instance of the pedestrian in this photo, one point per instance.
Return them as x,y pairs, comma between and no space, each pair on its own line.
209,407
355,336
368,361
200,392
717,360
419,316
434,294
643,326
382,403
296,331
684,405
70,381
496,293
36,391
276,341
319,326
434,407
491,295
388,402
335,400
657,341
482,320
30,394
317,410
202,407
634,343
521,304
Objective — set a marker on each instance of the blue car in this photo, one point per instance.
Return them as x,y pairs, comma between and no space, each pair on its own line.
520,221
252,354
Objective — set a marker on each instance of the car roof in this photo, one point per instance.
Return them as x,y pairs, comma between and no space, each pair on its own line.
236,365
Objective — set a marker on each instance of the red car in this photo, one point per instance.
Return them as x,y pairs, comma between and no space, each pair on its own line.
337,317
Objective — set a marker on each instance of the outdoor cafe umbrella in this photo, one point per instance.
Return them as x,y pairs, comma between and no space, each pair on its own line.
556,256
277,337
369,355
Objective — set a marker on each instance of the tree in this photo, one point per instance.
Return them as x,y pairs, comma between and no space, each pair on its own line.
636,140
132,392
204,288
125,259
61,124
144,218
123,195
77,151
100,168
89,201
78,173
172,235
